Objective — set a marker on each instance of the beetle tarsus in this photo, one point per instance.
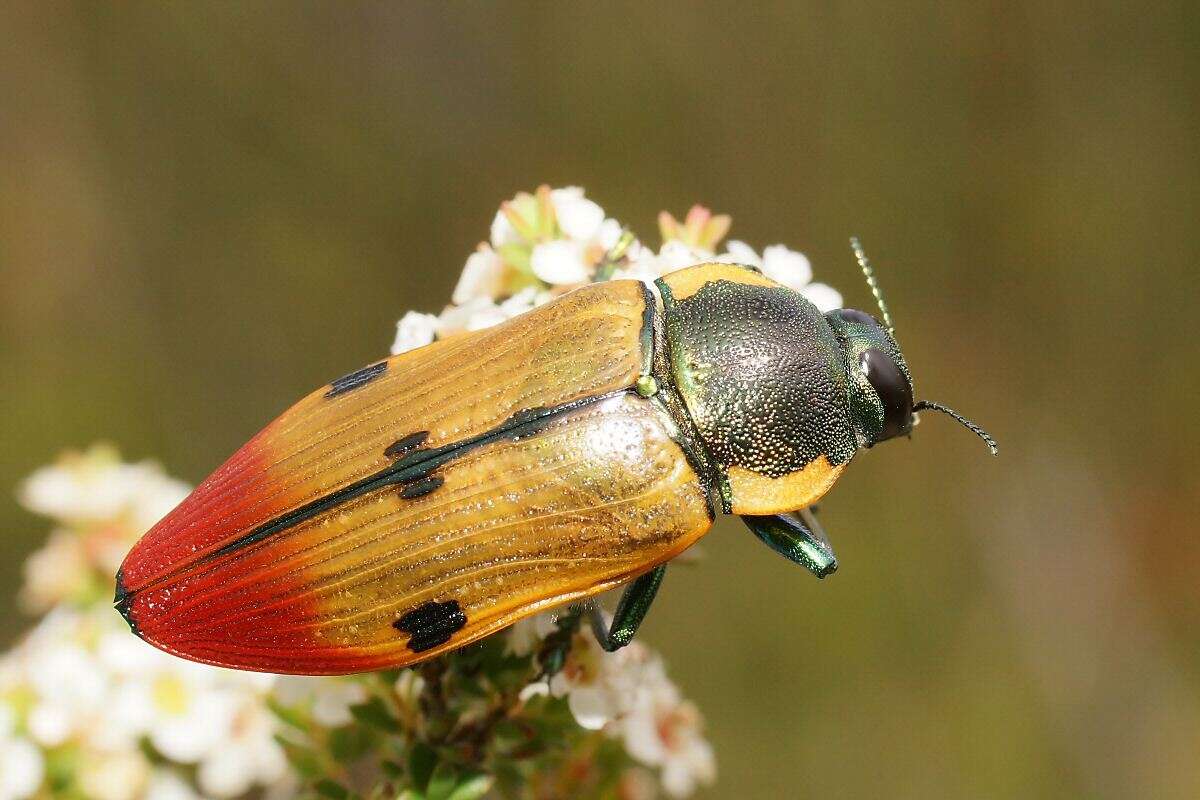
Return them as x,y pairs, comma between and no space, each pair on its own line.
631,610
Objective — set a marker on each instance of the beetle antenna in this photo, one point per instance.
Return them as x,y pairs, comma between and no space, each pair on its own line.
869,274
966,423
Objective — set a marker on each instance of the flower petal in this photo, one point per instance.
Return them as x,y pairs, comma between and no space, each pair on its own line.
21,768
559,263
578,217
482,276
414,330
503,232
789,267
825,298
592,706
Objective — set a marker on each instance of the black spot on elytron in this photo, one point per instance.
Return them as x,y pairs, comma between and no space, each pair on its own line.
431,624
762,375
422,487
402,447
356,379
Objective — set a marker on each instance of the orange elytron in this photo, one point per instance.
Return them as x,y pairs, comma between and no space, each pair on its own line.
435,497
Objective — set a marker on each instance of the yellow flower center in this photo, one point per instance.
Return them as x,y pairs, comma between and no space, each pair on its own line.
170,695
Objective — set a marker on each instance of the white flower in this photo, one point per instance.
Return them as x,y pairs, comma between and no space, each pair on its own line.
675,255
414,330
190,716
600,686
483,276
779,263
55,572
637,271
66,675
560,262
97,487
329,699
646,265
90,684
90,487
247,756
166,785
786,266
483,313
21,769
331,706
503,232
738,252
526,635
664,731
628,694
523,301
113,776
157,496
50,724
609,233
105,505
475,315
789,267
578,217
583,680
825,298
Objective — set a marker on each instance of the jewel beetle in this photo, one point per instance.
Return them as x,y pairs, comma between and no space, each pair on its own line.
435,497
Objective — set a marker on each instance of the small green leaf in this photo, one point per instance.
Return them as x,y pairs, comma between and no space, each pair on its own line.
331,789
304,759
410,794
441,782
518,256
290,716
387,676
421,761
61,765
349,742
375,713
472,787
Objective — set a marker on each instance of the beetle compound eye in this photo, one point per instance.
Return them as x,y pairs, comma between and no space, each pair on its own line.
893,389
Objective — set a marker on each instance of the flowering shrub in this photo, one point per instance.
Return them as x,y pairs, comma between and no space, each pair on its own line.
87,710
552,241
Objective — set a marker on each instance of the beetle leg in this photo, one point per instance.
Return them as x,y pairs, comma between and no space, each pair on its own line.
796,536
552,655
631,610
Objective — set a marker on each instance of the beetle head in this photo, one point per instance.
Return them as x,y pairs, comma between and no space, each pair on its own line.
878,383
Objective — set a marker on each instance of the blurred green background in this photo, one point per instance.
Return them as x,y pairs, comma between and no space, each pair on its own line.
206,211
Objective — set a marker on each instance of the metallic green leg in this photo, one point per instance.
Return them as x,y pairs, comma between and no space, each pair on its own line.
631,610
798,537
